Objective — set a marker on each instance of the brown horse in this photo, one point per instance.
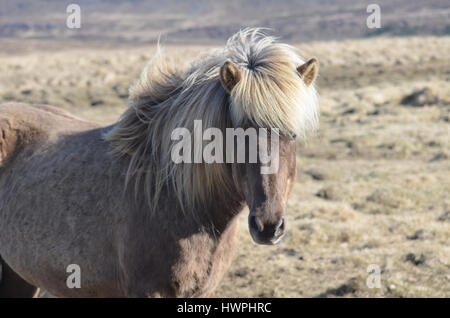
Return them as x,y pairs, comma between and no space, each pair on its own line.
111,200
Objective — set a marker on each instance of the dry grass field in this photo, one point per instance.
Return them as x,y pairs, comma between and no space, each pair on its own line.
372,186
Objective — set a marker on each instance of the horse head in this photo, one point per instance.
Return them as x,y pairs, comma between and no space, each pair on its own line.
266,190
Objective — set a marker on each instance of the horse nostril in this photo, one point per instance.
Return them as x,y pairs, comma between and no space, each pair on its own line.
281,226
256,223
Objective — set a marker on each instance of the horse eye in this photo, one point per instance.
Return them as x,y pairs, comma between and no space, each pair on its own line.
293,137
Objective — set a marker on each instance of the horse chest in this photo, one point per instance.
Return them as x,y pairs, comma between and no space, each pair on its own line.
187,266
202,264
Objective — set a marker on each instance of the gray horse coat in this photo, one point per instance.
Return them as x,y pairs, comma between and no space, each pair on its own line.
56,225
111,200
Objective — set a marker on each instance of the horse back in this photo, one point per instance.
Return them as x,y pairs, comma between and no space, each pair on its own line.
24,124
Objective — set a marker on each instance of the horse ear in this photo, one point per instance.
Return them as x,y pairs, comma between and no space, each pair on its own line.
230,75
309,71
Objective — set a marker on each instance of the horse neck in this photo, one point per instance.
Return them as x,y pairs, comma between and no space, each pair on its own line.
224,202
223,208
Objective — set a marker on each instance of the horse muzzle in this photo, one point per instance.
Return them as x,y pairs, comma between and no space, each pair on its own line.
267,234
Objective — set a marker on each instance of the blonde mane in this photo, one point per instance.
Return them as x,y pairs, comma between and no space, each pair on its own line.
270,94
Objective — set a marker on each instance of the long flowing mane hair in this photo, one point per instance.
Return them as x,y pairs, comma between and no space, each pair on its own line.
270,94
